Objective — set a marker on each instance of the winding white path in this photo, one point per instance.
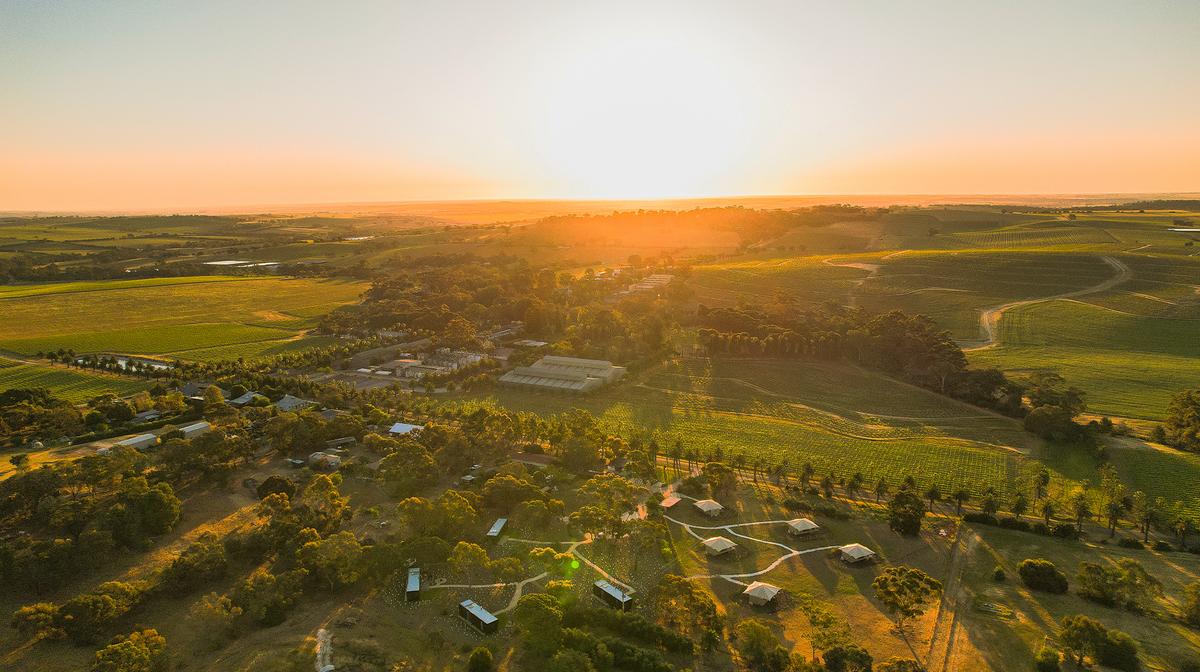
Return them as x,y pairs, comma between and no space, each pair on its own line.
734,578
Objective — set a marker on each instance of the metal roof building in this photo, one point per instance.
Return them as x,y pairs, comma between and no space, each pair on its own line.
759,593
611,595
412,588
140,441
477,616
718,545
571,374
800,526
856,553
709,507
497,527
404,428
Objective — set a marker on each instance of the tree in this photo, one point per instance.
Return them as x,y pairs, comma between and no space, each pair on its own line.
1081,637
1041,482
334,559
570,660
540,620
1047,660
961,496
1119,651
1191,604
143,651
38,621
214,616
759,646
1047,508
1182,426
905,511
1019,506
480,660
469,560
906,592
881,490
933,494
847,658
900,665
721,479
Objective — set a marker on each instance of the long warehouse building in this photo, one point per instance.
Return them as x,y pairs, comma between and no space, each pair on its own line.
565,373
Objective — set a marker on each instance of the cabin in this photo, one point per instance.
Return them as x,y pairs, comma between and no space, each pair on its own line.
715,546
801,526
709,507
290,404
140,442
497,528
412,589
343,442
324,461
670,501
195,429
479,618
611,595
146,416
244,399
855,553
760,594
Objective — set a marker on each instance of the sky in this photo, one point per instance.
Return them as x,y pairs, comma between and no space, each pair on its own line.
177,105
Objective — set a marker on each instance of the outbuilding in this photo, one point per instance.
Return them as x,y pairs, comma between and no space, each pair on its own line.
401,428
290,404
759,593
854,553
481,619
195,429
802,526
497,528
670,501
611,595
412,589
709,507
714,546
140,442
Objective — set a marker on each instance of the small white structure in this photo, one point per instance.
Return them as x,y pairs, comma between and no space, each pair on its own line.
759,593
140,442
714,546
670,501
324,461
290,404
243,400
853,553
709,507
195,429
802,526
401,428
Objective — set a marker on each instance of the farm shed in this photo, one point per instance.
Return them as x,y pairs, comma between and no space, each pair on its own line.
244,399
718,545
477,616
611,595
290,404
801,526
401,428
412,589
195,429
855,553
759,593
709,507
341,443
535,460
140,442
323,460
670,501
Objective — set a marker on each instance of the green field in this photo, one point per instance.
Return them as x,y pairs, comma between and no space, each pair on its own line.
171,317
71,384
839,418
1128,364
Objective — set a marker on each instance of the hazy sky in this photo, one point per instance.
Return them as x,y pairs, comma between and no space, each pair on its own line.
162,104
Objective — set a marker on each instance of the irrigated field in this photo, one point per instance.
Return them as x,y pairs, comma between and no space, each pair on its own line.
174,317
1128,364
71,384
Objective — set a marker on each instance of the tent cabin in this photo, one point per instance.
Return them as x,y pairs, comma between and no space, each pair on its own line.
467,479
802,526
140,442
853,553
709,507
759,593
611,596
497,528
401,428
412,589
478,617
670,501
195,429
714,546
324,461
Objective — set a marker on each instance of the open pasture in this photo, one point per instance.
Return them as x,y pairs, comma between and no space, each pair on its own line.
169,317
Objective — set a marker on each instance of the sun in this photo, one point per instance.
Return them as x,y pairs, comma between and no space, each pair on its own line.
645,117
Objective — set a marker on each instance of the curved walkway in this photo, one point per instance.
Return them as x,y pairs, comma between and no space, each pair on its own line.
733,578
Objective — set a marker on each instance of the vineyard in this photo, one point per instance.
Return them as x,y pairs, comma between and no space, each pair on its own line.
71,384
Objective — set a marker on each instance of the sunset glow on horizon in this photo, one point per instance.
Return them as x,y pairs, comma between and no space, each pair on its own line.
130,105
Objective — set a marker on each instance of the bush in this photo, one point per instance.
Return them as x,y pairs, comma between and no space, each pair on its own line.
1047,660
1065,531
1014,524
1164,546
1127,542
998,574
633,626
1119,651
982,518
793,504
1039,574
1040,528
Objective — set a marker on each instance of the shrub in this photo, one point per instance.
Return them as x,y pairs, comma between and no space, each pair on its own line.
1119,651
1126,542
1065,531
1040,528
982,518
793,504
998,574
1164,546
1042,575
1047,660
1014,524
